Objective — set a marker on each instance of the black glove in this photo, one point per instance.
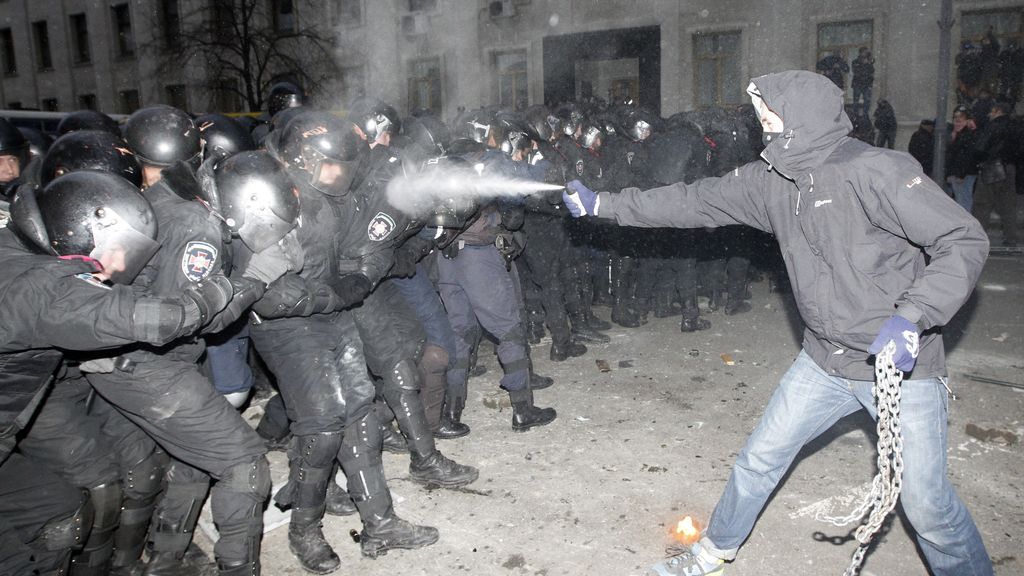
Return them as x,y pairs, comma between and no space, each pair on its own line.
268,265
351,289
203,300
405,263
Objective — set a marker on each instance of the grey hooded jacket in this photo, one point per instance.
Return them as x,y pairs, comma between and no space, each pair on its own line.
863,232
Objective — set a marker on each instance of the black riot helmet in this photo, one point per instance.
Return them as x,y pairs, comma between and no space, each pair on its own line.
13,143
284,95
162,135
253,194
90,214
313,140
90,150
571,119
375,118
514,134
637,124
452,210
222,136
476,125
542,122
428,134
38,142
591,136
87,120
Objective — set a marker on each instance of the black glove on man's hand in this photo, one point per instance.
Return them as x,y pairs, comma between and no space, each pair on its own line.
203,300
351,289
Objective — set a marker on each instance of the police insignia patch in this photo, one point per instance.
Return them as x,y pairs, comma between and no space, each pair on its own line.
198,260
579,167
629,157
380,227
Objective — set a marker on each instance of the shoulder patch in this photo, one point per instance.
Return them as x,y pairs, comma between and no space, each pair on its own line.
198,260
579,167
90,279
380,227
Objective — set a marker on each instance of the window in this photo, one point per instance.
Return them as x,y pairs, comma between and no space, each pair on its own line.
838,43
128,100
50,105
170,24
7,46
124,42
425,85
422,5
717,68
347,12
1006,25
221,18
41,37
512,88
80,39
87,101
284,16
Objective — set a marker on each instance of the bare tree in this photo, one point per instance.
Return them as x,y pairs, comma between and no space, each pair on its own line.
244,46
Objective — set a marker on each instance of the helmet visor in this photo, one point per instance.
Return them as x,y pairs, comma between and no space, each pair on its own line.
122,250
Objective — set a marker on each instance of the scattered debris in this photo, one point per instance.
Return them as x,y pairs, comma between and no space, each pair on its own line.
995,381
694,352
727,359
625,363
497,400
994,435
602,365
1002,337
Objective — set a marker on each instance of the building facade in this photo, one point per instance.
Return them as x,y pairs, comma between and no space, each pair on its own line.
670,55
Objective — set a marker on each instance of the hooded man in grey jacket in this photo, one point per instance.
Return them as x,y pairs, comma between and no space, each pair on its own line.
875,252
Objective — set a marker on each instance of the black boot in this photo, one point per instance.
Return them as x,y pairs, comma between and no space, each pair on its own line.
570,349
393,441
534,327
736,306
692,321
438,470
583,329
391,532
175,521
244,569
623,312
525,415
593,321
451,419
338,502
664,307
306,541
538,382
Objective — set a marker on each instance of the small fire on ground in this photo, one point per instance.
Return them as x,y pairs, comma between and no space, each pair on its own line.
686,531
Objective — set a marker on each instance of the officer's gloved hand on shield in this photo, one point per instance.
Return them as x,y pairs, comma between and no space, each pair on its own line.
580,200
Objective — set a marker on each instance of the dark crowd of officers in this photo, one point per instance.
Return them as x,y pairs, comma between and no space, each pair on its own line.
144,261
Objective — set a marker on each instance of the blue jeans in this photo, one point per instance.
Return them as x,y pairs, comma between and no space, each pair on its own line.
862,94
963,190
808,402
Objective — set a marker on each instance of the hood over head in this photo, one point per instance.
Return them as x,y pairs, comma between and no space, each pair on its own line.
814,120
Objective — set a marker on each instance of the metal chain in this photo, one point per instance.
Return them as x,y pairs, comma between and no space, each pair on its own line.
885,488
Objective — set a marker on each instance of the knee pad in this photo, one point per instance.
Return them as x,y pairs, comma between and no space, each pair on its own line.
106,504
65,533
317,450
434,359
516,335
248,478
404,376
143,480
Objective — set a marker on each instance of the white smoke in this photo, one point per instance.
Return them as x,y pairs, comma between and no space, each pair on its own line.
416,194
